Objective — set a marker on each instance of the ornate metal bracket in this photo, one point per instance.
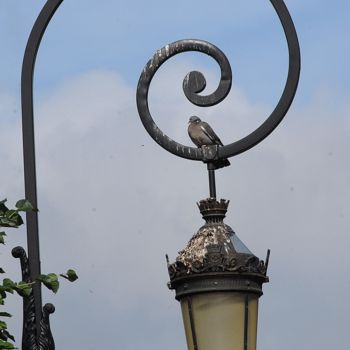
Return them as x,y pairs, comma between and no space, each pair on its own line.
33,338
194,83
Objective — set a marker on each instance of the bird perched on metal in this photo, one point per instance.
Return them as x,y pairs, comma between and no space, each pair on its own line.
202,134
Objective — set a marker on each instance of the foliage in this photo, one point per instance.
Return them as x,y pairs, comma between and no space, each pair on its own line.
11,218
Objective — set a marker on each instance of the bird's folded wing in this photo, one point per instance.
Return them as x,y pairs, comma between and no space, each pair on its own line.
206,128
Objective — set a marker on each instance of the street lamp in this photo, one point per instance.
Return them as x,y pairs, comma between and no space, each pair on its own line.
218,282
216,278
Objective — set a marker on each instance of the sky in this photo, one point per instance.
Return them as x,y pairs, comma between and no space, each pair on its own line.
113,203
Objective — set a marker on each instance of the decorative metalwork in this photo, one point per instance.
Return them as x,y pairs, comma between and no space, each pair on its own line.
194,83
214,259
45,341
31,338
212,249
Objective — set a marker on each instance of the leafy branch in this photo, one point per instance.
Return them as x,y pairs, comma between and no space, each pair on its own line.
11,218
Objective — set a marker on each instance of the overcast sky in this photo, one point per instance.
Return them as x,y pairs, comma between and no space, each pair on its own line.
113,203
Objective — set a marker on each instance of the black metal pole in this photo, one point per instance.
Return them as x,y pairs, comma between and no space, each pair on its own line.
212,185
29,146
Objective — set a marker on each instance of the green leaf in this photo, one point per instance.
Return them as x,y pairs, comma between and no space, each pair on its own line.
2,292
1,270
9,285
5,314
5,335
24,289
5,222
11,214
50,281
70,275
3,207
2,237
12,222
6,345
24,205
3,325
9,335
14,217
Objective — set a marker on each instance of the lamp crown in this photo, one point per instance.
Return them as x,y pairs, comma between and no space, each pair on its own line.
213,210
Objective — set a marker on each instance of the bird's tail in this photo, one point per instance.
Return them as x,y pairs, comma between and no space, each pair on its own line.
221,163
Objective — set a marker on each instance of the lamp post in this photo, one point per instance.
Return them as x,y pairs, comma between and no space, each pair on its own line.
36,325
216,278
218,282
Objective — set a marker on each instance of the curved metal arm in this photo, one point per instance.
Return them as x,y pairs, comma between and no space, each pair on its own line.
195,82
29,147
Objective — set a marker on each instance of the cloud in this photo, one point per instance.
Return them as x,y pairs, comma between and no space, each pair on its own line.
112,203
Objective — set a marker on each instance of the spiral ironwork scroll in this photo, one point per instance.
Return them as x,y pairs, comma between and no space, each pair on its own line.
195,83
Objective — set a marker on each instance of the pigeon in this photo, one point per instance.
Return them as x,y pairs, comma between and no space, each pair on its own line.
202,134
